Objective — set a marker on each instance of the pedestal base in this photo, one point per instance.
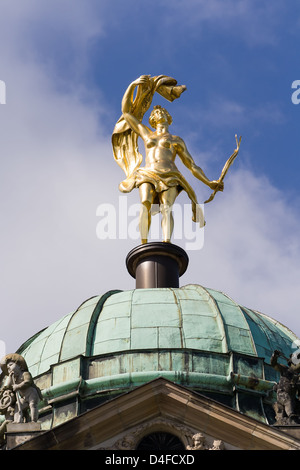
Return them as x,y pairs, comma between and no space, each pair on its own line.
157,264
17,433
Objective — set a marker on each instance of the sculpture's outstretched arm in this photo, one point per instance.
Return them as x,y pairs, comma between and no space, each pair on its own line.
188,161
127,101
127,129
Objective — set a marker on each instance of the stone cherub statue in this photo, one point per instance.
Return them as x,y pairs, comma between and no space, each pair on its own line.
218,445
287,407
159,181
199,442
19,396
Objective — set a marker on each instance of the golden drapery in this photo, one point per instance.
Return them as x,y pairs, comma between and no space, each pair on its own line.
128,157
162,180
124,139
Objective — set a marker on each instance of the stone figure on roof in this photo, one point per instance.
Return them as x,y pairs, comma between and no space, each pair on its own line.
287,407
19,396
159,181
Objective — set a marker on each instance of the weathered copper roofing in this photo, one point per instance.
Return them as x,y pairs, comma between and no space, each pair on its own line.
193,336
190,317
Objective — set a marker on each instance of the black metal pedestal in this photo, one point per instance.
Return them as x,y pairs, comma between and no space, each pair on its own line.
157,264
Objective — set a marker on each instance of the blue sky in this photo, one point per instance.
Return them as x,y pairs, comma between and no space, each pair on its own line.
66,65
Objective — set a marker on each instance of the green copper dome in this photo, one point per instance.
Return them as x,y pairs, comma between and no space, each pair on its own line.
193,336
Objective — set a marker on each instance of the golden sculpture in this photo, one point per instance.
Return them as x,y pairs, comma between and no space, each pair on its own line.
159,181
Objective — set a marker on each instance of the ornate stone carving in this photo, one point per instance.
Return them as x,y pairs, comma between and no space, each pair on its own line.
19,396
190,439
198,442
287,407
218,445
127,442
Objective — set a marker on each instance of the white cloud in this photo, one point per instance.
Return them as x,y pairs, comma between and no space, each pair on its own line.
57,167
52,158
252,248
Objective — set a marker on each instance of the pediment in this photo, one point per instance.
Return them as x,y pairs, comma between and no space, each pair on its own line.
162,406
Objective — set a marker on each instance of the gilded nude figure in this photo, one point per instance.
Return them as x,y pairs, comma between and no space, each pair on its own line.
159,181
